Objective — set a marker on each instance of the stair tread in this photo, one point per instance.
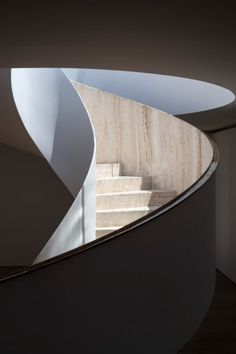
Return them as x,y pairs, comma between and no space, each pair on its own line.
140,191
122,177
107,228
145,208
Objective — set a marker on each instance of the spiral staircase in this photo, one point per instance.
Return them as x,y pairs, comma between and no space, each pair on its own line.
147,285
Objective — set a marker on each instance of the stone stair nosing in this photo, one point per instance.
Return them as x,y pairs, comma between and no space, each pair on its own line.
128,199
120,217
122,183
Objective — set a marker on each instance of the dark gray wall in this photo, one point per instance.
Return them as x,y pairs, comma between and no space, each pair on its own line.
12,130
226,203
32,203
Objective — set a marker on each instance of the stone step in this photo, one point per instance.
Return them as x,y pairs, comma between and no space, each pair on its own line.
133,199
102,231
120,217
107,170
122,184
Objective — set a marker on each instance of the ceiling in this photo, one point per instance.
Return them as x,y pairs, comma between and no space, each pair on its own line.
171,94
186,39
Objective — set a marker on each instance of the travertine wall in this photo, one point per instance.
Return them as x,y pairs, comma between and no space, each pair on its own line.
146,142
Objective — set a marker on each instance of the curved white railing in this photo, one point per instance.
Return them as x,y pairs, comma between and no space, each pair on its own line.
58,123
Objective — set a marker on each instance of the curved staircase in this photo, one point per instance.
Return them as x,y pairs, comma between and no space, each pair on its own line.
143,280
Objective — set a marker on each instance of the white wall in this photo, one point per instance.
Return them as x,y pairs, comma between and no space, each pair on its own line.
57,121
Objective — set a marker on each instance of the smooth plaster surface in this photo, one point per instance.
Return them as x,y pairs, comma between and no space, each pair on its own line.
171,94
12,130
57,121
123,292
33,201
226,203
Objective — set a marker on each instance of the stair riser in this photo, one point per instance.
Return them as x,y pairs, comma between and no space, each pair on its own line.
114,185
121,218
130,201
108,170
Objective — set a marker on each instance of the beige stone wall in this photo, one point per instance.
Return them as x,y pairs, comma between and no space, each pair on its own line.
146,142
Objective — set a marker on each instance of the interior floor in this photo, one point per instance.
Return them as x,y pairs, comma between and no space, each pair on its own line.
217,334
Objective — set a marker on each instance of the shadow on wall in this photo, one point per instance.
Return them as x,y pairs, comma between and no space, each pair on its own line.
33,202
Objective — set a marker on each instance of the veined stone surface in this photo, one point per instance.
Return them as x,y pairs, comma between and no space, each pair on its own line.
146,141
